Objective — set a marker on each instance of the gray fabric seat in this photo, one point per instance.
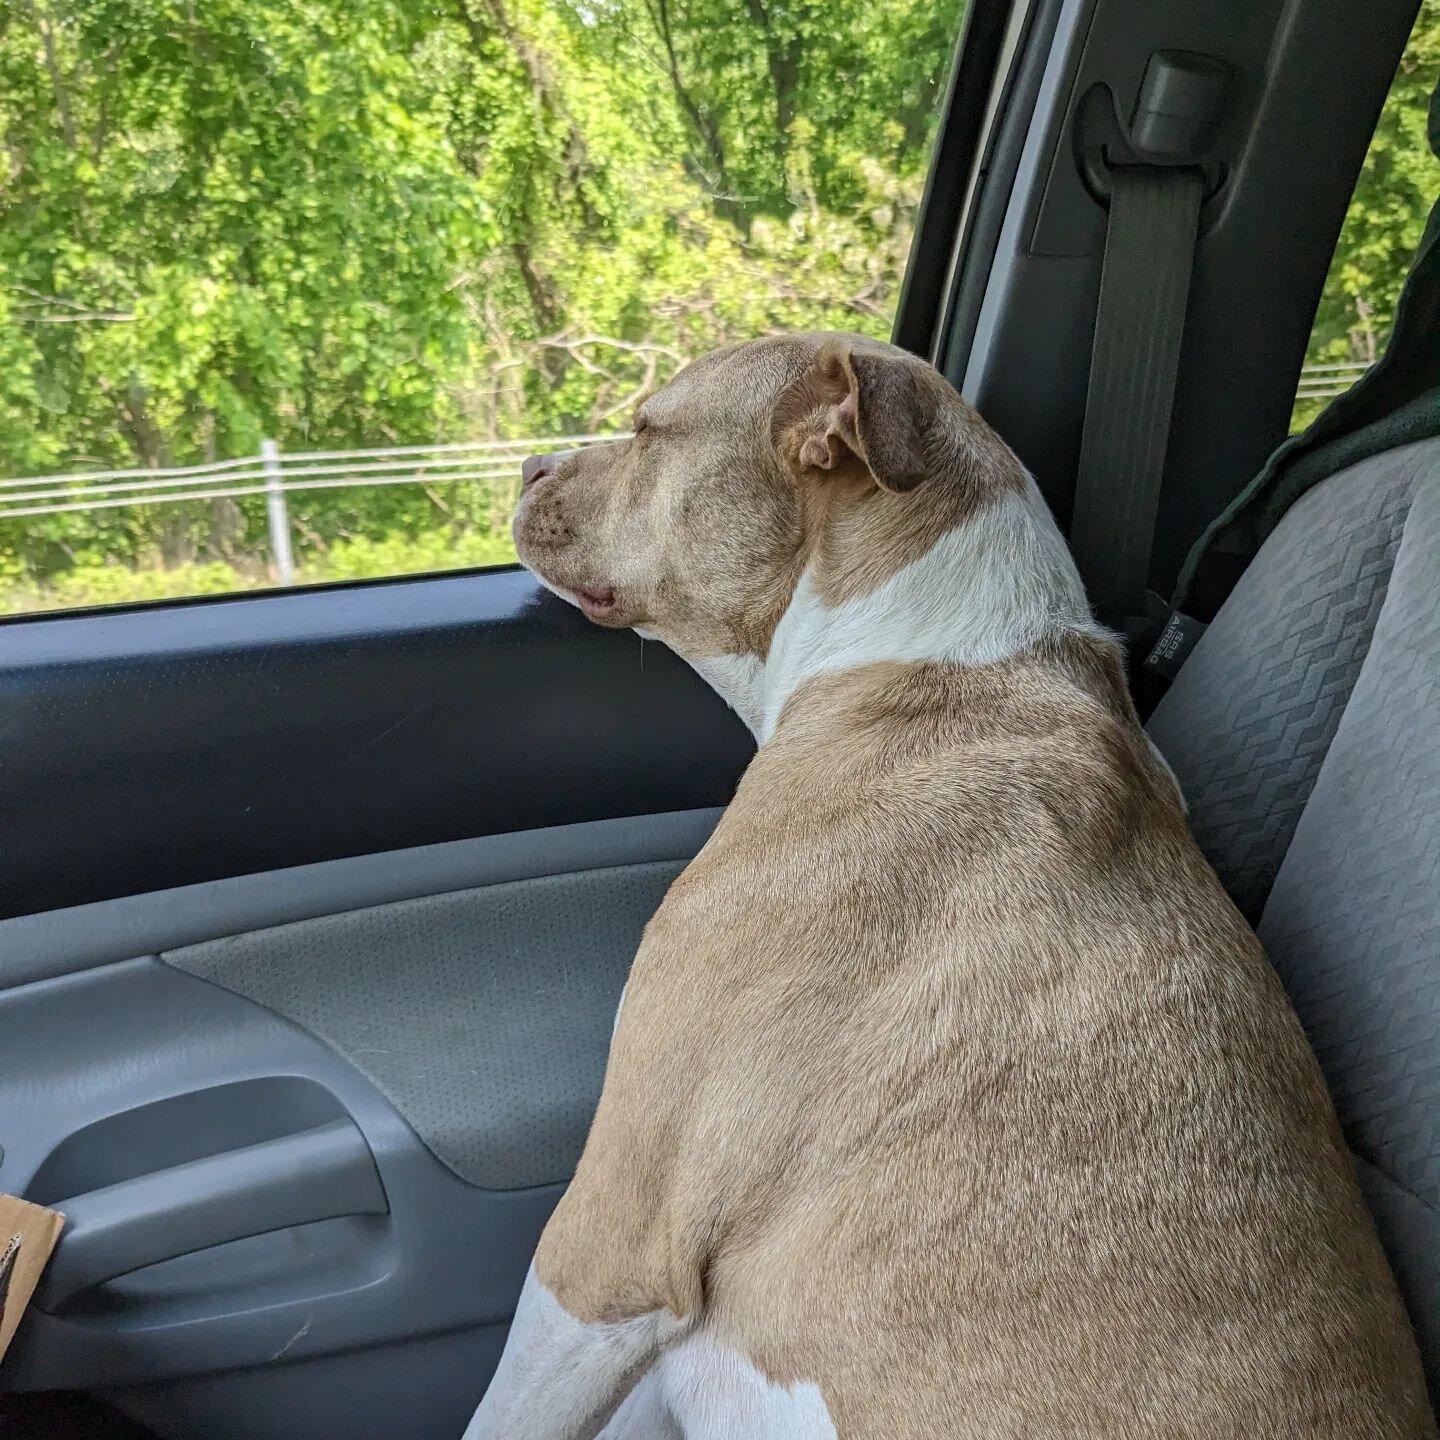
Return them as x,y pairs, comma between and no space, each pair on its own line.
1305,732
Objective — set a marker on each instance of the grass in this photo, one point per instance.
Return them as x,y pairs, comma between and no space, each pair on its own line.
358,559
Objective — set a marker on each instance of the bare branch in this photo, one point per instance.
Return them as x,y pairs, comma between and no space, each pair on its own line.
429,492
109,317
57,78
82,312
634,347
705,128
631,398
101,132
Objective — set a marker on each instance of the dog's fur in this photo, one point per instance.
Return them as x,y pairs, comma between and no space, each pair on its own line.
950,1095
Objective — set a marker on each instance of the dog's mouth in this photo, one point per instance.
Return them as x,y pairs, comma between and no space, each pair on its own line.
598,604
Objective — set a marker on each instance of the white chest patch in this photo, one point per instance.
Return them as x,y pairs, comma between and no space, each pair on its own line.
701,1390
998,583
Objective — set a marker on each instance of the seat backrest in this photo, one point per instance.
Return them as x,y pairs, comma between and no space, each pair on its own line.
1305,733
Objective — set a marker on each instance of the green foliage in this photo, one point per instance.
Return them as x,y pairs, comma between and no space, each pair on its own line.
349,222
117,584
343,223
776,98
396,555
360,559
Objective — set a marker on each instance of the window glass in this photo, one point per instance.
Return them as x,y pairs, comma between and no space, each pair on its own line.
1396,190
287,287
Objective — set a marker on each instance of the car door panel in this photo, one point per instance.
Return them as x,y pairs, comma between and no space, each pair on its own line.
164,746
317,909
451,1006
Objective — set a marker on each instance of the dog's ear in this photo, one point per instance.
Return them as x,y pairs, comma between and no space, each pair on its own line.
862,412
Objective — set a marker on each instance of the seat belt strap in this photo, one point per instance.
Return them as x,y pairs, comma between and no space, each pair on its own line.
1139,324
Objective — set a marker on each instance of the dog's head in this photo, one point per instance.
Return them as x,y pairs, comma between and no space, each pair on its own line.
835,453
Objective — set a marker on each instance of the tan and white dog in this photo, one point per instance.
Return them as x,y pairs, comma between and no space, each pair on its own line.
950,1095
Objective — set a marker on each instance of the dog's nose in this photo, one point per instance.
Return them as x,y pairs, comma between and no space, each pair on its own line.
536,467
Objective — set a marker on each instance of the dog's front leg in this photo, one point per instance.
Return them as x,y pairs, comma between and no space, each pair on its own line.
561,1378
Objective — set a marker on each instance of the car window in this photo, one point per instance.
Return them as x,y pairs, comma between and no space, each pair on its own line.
1398,185
288,287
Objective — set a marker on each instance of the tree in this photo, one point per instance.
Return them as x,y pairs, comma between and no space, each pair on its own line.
343,223
222,222
1397,187
346,222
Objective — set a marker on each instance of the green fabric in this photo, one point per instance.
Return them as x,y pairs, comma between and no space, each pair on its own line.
1397,401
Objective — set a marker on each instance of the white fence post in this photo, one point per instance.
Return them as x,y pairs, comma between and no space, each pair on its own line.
277,513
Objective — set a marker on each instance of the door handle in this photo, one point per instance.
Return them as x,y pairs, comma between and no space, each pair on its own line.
317,1174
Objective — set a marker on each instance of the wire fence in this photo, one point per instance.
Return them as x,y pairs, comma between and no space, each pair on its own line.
1325,382
276,474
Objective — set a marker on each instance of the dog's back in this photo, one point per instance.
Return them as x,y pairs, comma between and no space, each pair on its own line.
996,1121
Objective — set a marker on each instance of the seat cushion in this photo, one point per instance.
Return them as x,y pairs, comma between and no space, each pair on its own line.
1353,920
1307,739
1250,717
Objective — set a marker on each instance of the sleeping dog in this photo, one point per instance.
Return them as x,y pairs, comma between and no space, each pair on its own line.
950,1095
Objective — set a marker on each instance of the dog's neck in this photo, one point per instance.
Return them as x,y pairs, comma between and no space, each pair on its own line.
996,584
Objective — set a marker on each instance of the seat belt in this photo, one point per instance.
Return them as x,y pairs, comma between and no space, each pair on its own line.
1139,323
1150,238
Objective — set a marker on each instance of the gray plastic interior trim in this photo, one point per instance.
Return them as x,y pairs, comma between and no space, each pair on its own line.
64,942
317,1174
406,1392
1070,31
483,1015
1002,86
175,1070
443,1257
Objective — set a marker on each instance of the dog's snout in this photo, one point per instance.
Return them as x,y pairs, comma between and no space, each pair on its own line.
536,467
